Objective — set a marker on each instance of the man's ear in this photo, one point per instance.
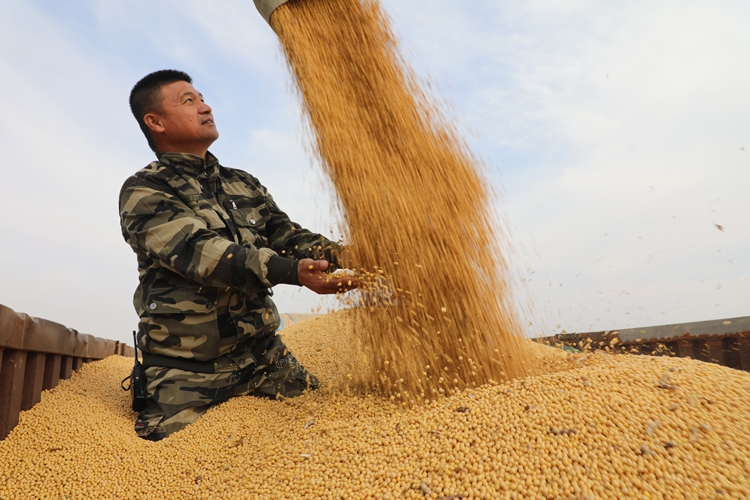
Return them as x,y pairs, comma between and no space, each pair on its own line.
154,122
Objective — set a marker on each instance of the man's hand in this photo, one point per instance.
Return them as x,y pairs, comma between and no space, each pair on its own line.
310,275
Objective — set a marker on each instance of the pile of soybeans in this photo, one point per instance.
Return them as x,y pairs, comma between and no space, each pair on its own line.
593,426
417,207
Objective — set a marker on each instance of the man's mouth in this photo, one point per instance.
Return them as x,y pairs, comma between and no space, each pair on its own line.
210,120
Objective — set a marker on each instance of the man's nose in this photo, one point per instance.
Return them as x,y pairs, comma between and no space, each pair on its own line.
204,109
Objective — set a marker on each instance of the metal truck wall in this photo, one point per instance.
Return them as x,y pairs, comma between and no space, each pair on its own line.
724,341
35,354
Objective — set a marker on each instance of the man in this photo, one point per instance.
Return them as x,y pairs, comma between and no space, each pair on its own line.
211,243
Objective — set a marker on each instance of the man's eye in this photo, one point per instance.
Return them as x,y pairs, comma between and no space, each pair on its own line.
189,99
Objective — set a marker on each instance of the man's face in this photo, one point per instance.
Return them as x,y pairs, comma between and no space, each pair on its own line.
186,118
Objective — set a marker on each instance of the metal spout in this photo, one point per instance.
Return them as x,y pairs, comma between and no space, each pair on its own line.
266,7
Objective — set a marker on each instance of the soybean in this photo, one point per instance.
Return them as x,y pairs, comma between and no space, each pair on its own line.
593,425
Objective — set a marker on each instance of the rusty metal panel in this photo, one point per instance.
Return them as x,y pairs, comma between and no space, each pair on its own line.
714,350
52,371
66,367
731,353
22,332
638,348
35,354
127,350
670,348
720,327
657,349
11,327
11,389
743,346
33,379
685,349
723,341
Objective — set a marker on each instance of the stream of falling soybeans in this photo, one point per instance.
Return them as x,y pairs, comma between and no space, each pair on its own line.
417,208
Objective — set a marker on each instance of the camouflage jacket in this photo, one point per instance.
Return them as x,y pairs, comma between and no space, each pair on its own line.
210,243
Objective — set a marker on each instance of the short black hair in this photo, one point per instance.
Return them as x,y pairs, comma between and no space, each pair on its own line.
146,96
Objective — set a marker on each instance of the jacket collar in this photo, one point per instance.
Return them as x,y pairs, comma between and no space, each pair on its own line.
190,164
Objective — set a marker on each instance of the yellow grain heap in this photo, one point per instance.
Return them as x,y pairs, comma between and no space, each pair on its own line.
596,426
417,208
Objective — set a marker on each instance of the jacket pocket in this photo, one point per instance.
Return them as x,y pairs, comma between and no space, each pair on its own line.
251,218
182,322
177,300
251,222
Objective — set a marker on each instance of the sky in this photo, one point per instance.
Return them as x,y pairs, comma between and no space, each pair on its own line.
617,133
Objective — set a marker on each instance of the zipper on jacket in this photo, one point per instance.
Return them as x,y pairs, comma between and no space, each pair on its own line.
231,225
215,186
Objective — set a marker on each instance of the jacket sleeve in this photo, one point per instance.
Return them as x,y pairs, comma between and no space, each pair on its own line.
159,225
289,239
